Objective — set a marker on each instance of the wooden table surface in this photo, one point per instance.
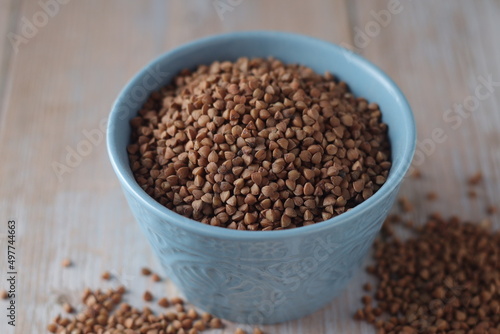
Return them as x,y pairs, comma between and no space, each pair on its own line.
62,64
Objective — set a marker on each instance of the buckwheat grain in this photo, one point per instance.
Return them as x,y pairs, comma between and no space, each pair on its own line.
229,145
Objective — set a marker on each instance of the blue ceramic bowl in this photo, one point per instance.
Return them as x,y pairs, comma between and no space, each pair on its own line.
272,276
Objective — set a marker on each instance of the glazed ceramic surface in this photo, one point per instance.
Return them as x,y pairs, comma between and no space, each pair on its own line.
273,276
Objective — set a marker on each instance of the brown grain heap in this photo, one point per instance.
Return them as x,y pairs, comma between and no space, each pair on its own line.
258,145
443,279
105,313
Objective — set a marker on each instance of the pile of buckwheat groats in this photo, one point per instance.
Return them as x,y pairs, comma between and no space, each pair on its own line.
444,278
258,145
105,313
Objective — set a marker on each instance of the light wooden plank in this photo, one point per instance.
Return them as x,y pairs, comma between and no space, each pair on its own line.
9,16
65,80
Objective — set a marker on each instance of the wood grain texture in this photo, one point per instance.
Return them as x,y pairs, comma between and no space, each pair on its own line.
439,58
62,83
9,16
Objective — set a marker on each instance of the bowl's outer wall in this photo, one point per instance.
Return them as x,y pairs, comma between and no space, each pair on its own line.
260,282
277,278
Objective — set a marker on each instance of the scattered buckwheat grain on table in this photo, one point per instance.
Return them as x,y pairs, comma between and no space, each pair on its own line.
258,145
445,278
105,313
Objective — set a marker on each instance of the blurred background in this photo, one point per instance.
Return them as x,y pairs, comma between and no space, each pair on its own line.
63,62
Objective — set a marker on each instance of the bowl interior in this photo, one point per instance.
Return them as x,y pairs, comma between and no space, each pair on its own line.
364,79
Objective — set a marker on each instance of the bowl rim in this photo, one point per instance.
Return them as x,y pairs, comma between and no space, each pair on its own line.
393,181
